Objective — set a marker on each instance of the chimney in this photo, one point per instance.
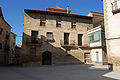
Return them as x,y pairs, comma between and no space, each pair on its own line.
67,9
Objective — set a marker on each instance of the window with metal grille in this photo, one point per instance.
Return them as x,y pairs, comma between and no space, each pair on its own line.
73,25
42,21
58,23
50,36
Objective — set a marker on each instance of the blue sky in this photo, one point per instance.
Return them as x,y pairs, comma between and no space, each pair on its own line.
13,10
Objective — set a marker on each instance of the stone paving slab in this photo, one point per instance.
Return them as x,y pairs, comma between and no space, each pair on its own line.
63,72
114,75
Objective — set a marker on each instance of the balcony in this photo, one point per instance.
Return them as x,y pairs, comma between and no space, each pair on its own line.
116,7
35,42
69,45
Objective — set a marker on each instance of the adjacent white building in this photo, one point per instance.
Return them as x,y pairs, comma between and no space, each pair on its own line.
96,39
112,31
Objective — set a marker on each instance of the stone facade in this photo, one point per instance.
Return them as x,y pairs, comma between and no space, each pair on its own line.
5,40
58,25
112,31
12,54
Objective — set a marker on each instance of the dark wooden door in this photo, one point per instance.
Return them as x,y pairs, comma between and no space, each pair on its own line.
46,58
66,38
80,39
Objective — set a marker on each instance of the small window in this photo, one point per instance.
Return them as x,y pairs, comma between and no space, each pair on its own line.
116,6
58,23
14,37
73,25
32,51
7,35
1,30
0,46
50,36
13,44
87,55
42,22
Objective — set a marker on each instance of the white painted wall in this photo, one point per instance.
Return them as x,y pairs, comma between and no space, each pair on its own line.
94,57
96,44
112,29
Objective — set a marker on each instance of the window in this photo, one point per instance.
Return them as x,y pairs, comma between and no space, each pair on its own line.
42,21
80,39
50,36
7,35
66,38
91,38
0,46
14,37
95,37
13,44
32,51
1,30
58,23
34,37
116,6
87,55
73,25
7,48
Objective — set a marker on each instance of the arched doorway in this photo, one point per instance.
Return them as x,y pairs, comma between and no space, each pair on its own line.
46,58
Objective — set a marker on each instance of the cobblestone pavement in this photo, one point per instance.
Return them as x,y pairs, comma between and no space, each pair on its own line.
61,72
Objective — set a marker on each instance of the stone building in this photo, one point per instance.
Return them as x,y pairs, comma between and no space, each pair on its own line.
96,39
112,31
5,40
55,36
12,59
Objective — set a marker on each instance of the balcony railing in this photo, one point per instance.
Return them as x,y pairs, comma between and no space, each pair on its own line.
116,6
69,45
30,41
71,42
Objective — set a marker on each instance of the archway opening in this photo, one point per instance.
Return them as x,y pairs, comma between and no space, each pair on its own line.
46,58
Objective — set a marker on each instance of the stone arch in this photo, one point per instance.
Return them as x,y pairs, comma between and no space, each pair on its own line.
46,58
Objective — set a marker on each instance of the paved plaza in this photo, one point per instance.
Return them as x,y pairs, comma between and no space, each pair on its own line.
60,72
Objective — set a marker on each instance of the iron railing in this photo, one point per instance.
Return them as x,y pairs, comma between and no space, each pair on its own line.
70,43
33,41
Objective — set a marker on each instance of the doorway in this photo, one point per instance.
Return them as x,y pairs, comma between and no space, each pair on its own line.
46,58
97,57
66,38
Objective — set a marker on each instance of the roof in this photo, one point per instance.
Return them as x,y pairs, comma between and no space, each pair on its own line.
18,46
13,34
1,15
58,10
56,13
96,12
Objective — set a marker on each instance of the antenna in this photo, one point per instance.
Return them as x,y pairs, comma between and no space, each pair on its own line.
67,9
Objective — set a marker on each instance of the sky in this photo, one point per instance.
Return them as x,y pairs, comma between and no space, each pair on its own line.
13,10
